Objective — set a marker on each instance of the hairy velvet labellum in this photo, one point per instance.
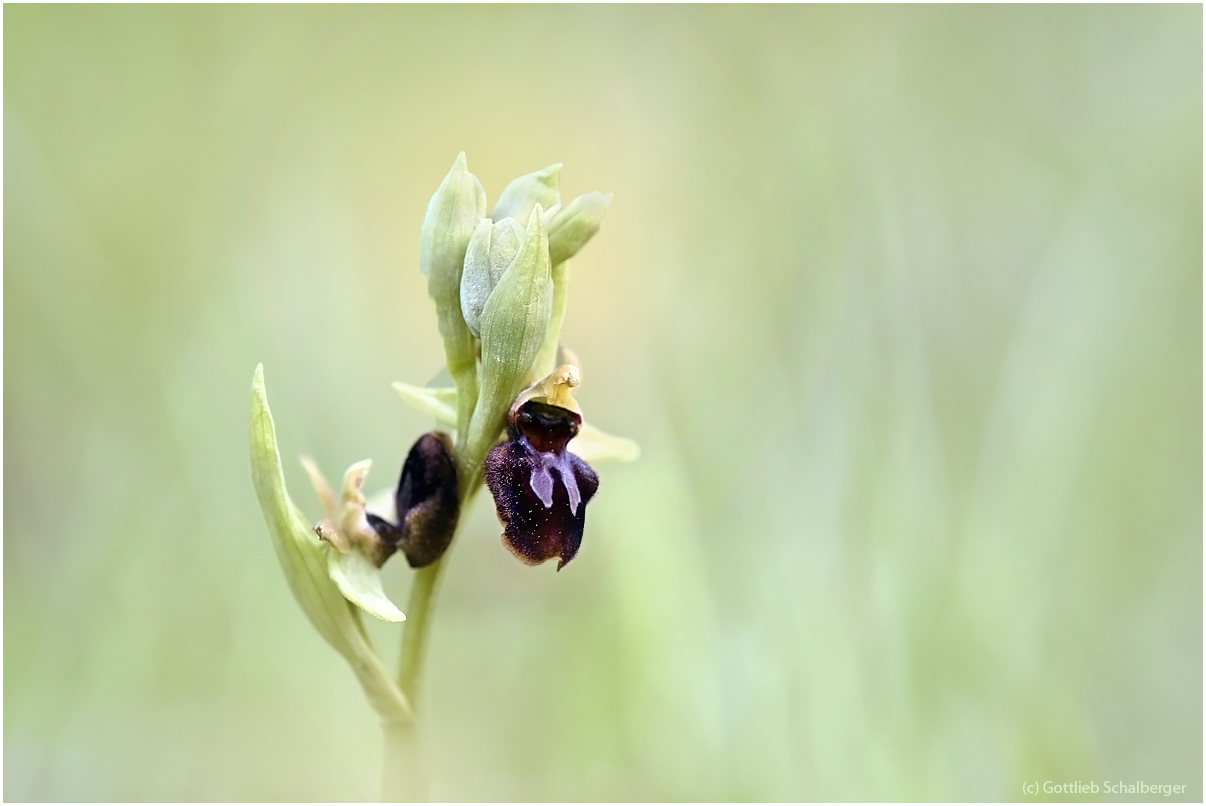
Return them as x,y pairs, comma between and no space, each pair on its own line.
427,500
540,489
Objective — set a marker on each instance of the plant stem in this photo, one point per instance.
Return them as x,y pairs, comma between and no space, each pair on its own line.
418,620
404,774
404,770
403,777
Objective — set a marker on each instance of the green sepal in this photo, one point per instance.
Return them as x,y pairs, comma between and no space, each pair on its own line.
360,583
304,560
570,227
513,326
439,402
518,198
594,446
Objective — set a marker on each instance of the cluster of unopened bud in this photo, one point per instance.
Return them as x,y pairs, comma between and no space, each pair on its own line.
500,284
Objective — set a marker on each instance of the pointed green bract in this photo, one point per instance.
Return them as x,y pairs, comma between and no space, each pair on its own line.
452,216
573,225
304,560
518,198
513,326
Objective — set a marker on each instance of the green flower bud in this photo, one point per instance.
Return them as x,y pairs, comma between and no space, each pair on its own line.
479,196
570,227
491,250
524,193
309,567
513,326
452,216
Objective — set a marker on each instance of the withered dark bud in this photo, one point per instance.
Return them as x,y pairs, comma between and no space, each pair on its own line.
540,489
427,500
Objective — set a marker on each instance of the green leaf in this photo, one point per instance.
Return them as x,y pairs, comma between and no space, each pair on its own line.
304,560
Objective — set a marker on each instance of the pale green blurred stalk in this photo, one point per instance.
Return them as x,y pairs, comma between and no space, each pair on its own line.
404,766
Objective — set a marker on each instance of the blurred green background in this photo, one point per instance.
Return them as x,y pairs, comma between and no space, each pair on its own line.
904,306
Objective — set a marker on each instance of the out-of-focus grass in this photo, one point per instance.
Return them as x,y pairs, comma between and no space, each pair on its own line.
904,306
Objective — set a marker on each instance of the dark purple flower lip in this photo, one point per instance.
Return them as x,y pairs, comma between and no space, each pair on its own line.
540,489
427,502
